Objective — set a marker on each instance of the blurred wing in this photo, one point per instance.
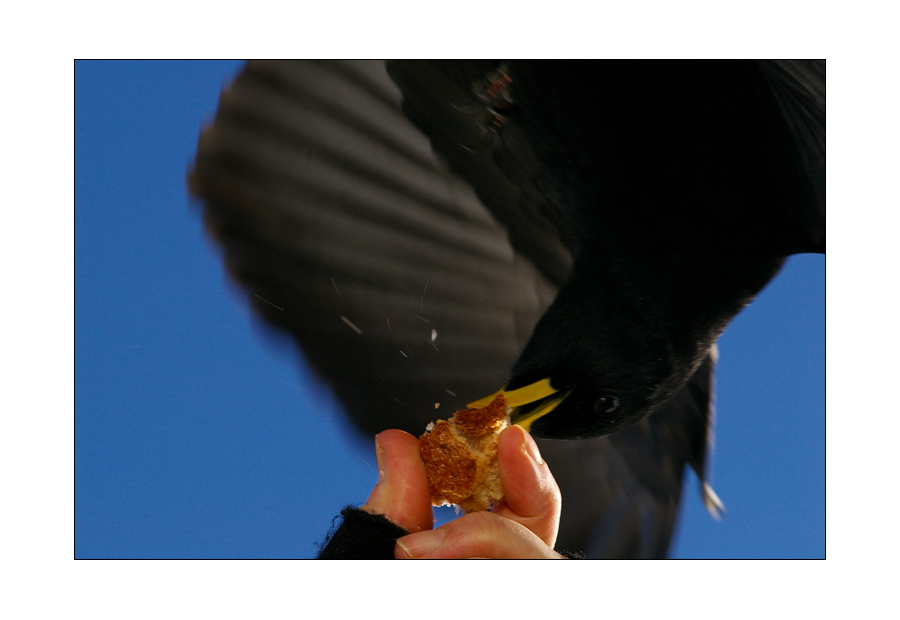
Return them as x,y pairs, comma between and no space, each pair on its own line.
401,288
336,217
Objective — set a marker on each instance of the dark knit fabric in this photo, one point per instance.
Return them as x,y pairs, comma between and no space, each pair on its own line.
572,555
361,536
364,536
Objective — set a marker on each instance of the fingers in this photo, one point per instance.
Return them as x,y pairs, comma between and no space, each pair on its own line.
532,495
402,490
475,535
523,526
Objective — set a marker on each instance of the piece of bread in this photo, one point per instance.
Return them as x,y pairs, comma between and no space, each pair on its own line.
460,456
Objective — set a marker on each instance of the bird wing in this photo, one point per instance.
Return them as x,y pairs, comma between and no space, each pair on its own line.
336,217
403,291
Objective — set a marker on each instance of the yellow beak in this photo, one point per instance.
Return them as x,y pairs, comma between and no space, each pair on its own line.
525,396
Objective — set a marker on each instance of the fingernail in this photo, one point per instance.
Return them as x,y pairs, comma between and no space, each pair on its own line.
421,543
379,460
532,449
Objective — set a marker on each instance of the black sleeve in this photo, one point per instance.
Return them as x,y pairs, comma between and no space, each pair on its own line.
361,536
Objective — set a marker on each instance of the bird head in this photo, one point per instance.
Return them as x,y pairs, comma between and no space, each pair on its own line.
585,396
597,363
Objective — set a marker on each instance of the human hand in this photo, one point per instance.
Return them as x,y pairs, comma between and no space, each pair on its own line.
523,526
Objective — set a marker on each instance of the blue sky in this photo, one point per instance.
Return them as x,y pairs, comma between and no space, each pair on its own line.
198,434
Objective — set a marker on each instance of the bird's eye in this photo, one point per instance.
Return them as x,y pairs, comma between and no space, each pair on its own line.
606,404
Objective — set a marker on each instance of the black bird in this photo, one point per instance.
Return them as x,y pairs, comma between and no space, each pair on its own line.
622,214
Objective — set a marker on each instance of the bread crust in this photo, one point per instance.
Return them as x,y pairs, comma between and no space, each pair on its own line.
460,456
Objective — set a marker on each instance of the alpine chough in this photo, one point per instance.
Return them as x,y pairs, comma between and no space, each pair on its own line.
579,233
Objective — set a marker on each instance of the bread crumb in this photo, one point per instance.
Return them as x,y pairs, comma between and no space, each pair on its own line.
460,456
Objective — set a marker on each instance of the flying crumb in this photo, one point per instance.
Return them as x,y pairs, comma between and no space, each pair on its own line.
268,302
351,325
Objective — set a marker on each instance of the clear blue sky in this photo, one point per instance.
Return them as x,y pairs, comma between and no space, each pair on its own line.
199,435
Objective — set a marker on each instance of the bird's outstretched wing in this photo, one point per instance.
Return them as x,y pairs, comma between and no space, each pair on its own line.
347,232
403,290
